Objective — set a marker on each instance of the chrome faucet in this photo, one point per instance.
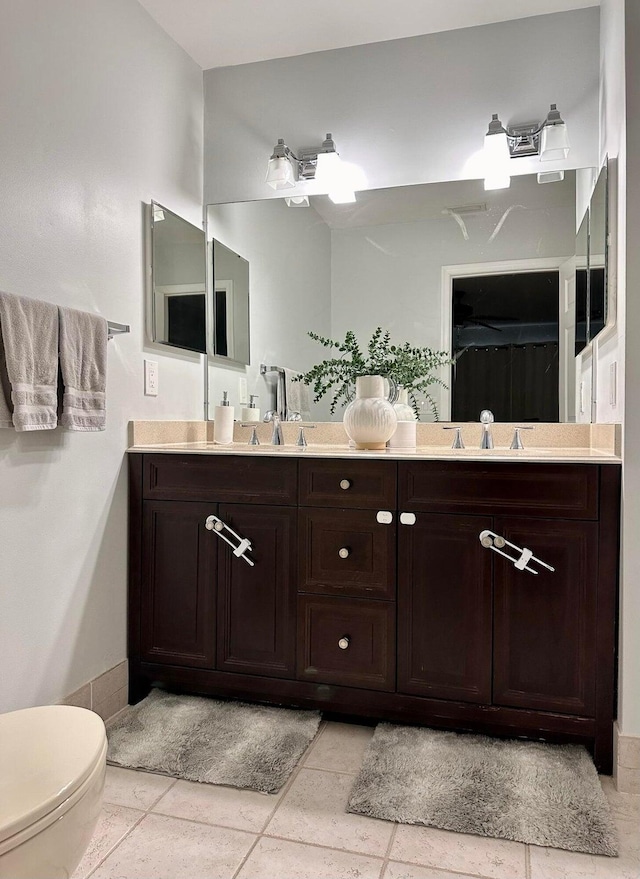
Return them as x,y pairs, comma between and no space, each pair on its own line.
486,420
276,436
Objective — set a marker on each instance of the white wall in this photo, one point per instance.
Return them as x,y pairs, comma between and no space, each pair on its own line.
629,235
289,253
407,111
101,112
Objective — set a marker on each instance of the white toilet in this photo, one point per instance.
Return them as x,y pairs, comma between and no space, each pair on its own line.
52,769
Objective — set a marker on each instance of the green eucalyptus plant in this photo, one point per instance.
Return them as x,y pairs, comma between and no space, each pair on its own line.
410,367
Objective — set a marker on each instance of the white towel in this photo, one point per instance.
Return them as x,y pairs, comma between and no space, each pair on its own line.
296,395
83,364
29,363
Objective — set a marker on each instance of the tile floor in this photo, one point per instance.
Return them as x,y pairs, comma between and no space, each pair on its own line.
154,827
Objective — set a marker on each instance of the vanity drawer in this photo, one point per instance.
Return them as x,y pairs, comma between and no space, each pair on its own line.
349,484
220,478
563,491
347,552
348,641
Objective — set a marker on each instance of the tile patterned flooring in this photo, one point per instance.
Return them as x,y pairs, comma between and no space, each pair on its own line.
154,827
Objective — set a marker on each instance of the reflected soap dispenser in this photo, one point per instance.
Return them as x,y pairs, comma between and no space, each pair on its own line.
223,421
251,412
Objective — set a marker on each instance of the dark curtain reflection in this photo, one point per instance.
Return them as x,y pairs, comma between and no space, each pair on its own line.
517,382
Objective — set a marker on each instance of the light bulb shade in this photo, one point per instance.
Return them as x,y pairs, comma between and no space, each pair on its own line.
328,170
496,148
554,143
496,161
297,201
280,173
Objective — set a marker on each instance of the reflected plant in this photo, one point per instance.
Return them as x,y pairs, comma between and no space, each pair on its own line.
409,366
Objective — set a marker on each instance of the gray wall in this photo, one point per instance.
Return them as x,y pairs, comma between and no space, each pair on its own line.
406,111
101,112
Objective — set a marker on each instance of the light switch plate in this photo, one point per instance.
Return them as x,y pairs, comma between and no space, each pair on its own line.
151,378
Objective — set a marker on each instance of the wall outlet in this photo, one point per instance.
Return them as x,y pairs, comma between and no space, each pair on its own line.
151,378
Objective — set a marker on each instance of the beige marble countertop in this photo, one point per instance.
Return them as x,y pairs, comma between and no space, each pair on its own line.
423,453
562,443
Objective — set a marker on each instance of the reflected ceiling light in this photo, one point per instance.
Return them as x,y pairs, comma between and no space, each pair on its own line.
297,201
548,139
321,164
550,176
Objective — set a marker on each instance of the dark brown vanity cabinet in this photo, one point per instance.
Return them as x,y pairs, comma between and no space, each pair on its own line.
372,594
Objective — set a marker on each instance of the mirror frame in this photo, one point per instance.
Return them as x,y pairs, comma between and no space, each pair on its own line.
608,167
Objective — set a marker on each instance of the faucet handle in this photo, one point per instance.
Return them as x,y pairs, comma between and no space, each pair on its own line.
457,440
516,442
253,439
302,440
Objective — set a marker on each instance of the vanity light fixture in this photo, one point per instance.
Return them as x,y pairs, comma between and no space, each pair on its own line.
322,164
549,140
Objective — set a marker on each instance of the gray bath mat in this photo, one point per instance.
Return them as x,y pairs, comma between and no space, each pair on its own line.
531,792
248,746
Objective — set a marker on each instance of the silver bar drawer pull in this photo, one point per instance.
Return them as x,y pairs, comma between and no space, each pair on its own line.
522,557
239,545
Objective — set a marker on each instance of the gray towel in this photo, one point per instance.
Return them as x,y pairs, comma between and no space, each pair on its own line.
83,364
296,395
28,363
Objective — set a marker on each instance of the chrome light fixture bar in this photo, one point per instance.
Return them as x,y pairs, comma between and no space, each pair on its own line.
549,140
322,164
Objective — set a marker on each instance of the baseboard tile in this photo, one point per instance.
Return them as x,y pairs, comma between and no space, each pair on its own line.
626,750
106,694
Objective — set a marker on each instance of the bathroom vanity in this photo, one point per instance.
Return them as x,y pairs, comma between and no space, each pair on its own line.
371,593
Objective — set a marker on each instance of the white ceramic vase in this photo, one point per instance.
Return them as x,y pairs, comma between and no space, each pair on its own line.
370,419
404,436
404,411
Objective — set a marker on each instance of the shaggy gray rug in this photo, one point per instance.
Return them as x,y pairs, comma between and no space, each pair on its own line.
200,739
531,792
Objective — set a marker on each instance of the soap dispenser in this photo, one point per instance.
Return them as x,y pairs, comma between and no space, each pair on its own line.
251,412
223,421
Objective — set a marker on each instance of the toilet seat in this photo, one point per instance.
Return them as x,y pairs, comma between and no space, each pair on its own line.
48,756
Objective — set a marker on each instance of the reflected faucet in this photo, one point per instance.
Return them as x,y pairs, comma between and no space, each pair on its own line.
276,436
486,420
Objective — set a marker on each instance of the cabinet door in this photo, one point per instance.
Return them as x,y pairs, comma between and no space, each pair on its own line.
178,584
545,624
257,605
444,608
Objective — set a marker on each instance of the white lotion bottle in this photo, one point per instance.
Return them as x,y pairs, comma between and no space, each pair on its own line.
250,412
223,421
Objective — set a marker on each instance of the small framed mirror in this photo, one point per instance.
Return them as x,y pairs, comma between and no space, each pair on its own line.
229,304
178,285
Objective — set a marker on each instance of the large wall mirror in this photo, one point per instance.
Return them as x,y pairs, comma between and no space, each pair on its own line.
498,279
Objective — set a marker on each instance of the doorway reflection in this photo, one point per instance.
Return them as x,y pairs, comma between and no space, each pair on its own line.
505,346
